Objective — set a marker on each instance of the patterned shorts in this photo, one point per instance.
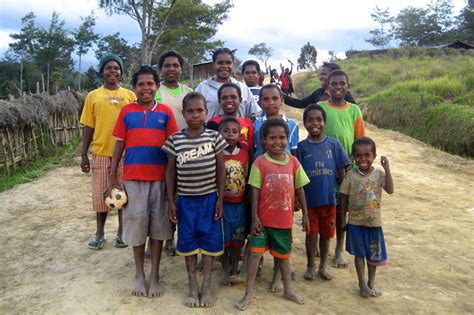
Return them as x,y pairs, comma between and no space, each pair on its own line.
100,173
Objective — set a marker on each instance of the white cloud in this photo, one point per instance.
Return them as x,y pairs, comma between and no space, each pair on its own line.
5,39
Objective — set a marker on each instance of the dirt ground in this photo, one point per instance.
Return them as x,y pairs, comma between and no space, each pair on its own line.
46,267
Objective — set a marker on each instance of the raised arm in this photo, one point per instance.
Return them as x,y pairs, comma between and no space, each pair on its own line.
313,98
388,175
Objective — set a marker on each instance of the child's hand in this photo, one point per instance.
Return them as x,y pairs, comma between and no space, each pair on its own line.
306,224
219,210
172,212
111,184
256,226
85,166
384,162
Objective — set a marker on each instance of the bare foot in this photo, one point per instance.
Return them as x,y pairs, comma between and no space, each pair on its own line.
170,247
244,302
339,261
293,297
376,291
206,298
324,273
155,290
193,299
310,273
139,288
225,279
277,283
236,279
365,291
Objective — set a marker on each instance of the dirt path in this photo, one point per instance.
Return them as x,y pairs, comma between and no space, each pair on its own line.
45,266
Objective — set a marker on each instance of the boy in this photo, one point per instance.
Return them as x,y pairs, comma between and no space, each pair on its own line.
251,73
323,159
141,129
196,173
274,177
236,164
230,97
101,109
271,100
360,195
345,123
321,93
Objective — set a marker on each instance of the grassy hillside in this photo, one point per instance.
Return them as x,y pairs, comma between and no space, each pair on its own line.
428,97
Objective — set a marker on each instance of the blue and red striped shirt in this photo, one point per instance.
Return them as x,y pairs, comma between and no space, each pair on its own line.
144,132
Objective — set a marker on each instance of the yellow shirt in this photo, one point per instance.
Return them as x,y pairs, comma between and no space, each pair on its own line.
100,112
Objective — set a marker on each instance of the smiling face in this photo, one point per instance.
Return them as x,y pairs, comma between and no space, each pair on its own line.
230,101
276,141
231,133
338,87
171,70
364,156
323,76
223,67
270,101
315,124
251,75
111,72
145,89
195,113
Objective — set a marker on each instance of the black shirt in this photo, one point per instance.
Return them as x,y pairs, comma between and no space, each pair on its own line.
313,98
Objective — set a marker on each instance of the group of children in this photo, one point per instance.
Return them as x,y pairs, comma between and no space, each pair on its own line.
227,179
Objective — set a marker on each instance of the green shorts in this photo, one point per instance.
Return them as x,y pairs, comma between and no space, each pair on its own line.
278,241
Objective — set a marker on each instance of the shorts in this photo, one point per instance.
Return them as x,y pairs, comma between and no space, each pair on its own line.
234,224
367,242
198,232
278,241
100,169
146,213
322,220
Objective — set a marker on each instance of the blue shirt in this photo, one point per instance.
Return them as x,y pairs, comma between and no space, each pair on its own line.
292,139
320,161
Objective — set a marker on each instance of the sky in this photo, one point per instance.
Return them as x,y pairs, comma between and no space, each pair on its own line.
283,25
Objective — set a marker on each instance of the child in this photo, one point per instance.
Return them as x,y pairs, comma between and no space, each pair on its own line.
271,100
230,97
345,123
251,73
274,177
360,195
101,109
196,173
323,159
141,129
236,164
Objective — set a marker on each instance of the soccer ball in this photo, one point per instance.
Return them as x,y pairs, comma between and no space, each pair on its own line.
116,199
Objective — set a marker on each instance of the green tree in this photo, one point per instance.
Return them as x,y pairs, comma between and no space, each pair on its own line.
191,27
308,57
415,27
144,12
114,44
381,36
261,52
466,22
84,38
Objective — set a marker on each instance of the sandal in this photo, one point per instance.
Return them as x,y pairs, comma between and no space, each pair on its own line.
119,242
96,244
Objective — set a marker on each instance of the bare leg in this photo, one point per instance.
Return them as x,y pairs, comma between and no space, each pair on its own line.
365,291
277,284
234,256
310,243
225,280
324,247
193,296
252,269
288,290
100,218
148,250
155,290
120,227
245,259
339,261
207,300
139,257
170,245
371,282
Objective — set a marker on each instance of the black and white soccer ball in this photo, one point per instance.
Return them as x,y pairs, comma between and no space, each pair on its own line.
116,200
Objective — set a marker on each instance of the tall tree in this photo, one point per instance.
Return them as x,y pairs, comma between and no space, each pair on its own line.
144,12
54,47
466,22
415,27
262,52
84,38
308,57
130,54
381,36
191,27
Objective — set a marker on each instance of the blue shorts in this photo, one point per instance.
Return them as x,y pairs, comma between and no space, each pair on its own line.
367,242
234,224
198,232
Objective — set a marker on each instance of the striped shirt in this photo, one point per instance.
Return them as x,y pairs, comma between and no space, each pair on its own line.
195,161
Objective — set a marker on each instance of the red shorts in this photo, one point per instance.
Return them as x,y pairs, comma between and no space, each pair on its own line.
322,220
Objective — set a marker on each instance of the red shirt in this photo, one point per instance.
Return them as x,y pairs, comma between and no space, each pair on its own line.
246,131
235,168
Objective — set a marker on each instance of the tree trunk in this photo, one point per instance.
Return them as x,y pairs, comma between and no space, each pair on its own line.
47,76
80,74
